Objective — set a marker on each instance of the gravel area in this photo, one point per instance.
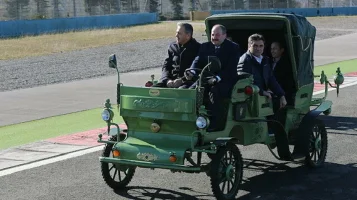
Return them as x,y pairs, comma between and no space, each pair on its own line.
91,63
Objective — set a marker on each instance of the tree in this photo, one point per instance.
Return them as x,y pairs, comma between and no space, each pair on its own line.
41,7
177,7
238,4
56,9
264,4
16,8
129,6
215,5
110,6
152,6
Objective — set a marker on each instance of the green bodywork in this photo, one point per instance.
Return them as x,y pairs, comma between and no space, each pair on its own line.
175,111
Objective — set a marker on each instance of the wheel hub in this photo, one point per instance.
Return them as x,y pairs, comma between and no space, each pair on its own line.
317,144
229,172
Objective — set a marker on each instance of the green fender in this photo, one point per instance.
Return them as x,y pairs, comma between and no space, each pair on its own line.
307,123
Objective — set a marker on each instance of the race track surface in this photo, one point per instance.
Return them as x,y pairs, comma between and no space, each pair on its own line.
264,177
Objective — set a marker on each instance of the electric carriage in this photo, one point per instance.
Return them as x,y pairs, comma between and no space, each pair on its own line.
166,128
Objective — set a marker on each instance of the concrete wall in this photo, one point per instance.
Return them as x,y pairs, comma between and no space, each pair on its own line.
34,27
307,12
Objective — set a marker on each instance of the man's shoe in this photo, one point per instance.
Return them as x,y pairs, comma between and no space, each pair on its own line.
297,156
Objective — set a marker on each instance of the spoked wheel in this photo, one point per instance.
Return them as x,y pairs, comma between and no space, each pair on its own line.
115,175
226,172
318,145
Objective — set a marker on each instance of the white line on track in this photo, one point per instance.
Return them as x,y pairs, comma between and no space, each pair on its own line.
49,161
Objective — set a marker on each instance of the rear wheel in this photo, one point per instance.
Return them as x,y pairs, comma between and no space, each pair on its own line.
318,145
226,172
116,176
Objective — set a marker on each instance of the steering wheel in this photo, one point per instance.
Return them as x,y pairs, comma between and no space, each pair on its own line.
206,75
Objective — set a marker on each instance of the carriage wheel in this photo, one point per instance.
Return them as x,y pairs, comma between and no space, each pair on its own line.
115,175
211,155
226,172
318,145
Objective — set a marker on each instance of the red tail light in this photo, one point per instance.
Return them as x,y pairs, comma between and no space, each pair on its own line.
248,90
148,84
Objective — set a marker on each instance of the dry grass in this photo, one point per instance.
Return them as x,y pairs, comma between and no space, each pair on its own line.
54,43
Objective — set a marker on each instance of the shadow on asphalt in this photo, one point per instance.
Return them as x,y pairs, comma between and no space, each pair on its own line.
279,181
340,124
141,193
275,181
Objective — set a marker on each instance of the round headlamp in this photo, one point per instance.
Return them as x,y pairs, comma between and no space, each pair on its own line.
106,115
202,122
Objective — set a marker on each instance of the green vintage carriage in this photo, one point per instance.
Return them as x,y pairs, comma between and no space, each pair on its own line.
166,128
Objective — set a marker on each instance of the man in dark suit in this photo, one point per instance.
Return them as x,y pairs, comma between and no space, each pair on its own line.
253,62
282,70
181,54
219,86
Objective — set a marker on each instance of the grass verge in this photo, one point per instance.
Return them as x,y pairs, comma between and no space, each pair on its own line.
346,66
58,43
27,132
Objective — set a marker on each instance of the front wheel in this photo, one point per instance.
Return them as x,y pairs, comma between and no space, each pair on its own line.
226,172
318,145
116,176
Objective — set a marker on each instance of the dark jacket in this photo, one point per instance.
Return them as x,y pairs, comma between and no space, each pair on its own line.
262,73
228,54
284,75
179,59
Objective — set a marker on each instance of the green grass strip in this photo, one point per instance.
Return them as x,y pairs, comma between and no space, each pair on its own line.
346,66
27,132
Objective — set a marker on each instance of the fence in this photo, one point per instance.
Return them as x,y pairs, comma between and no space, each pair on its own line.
16,28
47,9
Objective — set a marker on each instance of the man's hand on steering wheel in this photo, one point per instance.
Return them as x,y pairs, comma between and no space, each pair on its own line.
170,83
212,80
177,83
189,75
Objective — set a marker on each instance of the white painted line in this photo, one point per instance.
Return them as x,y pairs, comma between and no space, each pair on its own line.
94,149
341,86
49,161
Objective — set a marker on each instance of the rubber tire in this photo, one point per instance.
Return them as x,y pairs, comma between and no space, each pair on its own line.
324,145
106,173
211,155
215,165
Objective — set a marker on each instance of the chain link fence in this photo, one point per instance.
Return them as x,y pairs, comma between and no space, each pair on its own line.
47,9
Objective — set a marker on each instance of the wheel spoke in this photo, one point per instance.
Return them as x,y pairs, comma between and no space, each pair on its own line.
119,177
228,188
224,163
232,183
230,157
115,173
125,172
315,155
223,186
318,134
110,169
319,154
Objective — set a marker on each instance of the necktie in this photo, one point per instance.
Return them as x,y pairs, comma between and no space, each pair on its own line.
216,50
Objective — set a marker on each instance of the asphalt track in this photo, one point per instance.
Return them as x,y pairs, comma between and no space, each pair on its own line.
45,101
264,176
